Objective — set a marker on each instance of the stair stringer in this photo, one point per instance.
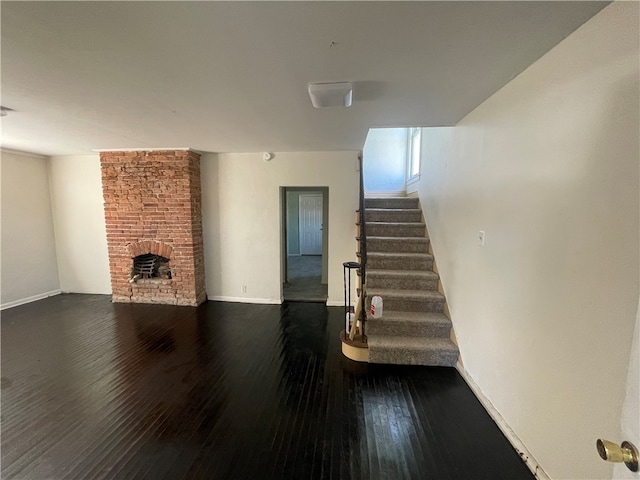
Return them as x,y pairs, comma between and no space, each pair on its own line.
446,310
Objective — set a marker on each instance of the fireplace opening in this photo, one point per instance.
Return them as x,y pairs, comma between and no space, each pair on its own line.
150,266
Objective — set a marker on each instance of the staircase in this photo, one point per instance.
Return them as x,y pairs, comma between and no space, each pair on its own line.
413,329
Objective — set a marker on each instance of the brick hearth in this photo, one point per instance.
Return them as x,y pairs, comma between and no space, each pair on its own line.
152,204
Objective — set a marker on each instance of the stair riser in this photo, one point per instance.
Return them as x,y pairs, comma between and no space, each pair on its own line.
398,263
407,329
393,216
405,202
374,230
408,305
401,357
401,282
397,246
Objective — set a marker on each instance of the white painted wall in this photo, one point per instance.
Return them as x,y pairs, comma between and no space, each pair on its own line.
385,171
29,268
78,218
630,417
242,219
544,313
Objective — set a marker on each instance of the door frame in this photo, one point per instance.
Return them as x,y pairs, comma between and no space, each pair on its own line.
284,231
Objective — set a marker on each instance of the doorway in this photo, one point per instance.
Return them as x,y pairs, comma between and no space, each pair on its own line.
305,235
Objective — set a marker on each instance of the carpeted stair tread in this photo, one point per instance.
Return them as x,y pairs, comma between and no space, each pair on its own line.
418,317
403,273
399,261
412,343
412,351
398,239
395,224
415,255
392,202
393,293
383,210
408,300
410,324
402,279
393,215
396,229
397,244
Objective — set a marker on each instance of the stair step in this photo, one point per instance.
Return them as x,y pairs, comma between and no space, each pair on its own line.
412,351
392,202
395,229
399,261
397,244
402,279
410,324
408,300
393,215
413,329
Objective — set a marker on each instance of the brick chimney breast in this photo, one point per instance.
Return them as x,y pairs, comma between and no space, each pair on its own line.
153,206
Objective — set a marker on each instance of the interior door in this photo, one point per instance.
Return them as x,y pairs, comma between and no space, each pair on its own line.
310,211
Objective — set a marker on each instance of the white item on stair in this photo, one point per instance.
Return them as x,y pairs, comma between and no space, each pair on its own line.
376,306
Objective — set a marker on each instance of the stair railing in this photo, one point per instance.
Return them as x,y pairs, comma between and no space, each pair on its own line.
361,312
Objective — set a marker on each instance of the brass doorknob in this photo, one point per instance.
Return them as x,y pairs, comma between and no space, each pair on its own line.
626,452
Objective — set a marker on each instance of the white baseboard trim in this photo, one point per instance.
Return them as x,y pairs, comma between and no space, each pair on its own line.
334,303
266,301
517,444
30,299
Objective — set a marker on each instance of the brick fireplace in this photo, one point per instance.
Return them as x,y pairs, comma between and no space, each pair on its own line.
152,205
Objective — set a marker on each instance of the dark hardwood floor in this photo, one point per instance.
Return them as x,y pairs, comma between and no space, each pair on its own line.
95,390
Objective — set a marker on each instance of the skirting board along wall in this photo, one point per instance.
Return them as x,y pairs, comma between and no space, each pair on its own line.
264,301
517,444
30,299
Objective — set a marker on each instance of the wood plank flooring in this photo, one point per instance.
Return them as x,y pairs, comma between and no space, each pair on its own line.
95,390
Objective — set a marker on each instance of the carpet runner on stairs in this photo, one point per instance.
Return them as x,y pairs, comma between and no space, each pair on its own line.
413,329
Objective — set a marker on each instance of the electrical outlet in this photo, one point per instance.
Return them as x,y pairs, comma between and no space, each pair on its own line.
244,289
481,238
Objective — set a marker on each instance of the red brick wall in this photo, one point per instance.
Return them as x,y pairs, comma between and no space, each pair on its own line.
152,204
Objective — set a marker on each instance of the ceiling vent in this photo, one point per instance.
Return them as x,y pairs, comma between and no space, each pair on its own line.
338,94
